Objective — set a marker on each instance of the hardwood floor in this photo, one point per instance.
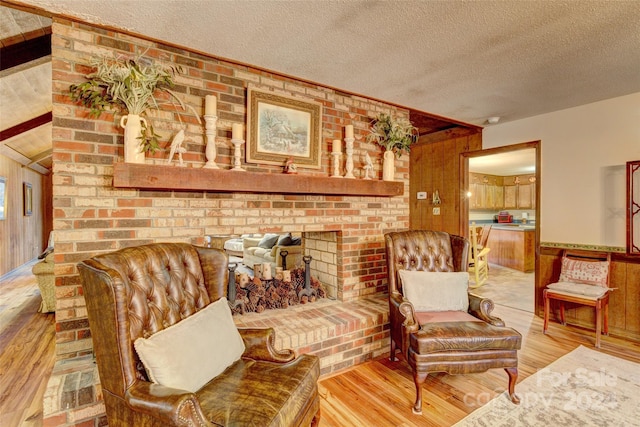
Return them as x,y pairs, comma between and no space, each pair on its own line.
27,340
376,393
381,392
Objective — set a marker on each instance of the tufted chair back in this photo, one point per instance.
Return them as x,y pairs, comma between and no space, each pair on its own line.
423,250
138,291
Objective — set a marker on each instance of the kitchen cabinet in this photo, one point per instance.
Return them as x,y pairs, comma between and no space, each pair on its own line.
526,193
497,193
512,246
486,192
510,197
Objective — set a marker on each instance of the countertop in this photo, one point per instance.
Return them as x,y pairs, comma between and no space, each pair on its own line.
514,227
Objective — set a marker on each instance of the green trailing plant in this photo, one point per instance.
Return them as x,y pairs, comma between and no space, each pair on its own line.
149,139
393,133
127,86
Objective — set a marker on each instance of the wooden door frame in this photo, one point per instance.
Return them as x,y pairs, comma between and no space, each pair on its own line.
464,202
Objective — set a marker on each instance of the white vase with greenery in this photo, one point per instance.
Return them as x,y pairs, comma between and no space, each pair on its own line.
395,135
127,86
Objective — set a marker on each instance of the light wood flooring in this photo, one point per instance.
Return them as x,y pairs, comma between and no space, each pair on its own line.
509,287
27,340
376,393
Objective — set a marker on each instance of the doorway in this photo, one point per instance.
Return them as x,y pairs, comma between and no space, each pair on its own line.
503,184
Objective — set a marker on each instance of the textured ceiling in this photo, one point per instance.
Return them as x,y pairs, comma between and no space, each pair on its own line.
462,60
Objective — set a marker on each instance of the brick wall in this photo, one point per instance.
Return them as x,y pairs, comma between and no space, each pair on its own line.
90,216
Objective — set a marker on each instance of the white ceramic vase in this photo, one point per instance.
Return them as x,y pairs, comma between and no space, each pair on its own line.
132,125
388,166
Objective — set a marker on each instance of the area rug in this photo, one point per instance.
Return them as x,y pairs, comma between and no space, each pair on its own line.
583,388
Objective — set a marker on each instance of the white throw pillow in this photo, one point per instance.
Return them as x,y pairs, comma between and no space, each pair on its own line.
436,291
192,352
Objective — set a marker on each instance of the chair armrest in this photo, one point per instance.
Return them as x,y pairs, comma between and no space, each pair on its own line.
402,317
481,308
170,406
259,343
483,252
250,242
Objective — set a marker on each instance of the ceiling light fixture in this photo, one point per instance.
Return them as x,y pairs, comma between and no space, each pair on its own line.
493,120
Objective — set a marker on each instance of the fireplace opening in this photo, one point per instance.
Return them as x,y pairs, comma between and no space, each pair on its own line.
320,249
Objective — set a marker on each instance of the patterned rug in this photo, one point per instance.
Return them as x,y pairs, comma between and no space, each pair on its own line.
583,388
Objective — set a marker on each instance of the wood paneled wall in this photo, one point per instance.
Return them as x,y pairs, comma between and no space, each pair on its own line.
435,165
624,302
22,238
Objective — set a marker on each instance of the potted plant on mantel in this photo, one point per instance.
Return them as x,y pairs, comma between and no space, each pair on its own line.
395,134
127,85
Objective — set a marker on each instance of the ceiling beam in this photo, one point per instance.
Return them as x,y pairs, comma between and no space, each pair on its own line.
11,153
39,157
25,126
25,51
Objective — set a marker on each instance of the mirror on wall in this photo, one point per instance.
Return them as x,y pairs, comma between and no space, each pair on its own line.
633,208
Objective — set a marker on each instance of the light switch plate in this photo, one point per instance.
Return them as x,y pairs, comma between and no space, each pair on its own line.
436,211
422,195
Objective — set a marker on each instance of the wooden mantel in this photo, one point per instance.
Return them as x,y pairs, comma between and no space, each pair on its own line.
158,177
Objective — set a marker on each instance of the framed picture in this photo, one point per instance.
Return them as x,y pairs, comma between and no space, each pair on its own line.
28,198
3,198
282,127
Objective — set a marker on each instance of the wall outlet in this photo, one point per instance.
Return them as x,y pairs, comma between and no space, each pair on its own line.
436,211
422,195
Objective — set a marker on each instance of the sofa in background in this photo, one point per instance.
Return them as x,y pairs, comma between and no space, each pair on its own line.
268,248
46,282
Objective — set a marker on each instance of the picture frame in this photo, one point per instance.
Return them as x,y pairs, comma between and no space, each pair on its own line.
28,198
3,198
281,127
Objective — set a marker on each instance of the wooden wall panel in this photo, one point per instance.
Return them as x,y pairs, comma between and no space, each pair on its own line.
416,178
632,300
435,165
21,237
450,184
618,298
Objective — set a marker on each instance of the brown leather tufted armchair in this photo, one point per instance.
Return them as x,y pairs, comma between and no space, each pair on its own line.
136,292
451,342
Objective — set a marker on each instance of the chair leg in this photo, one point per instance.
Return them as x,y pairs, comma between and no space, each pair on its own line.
547,305
513,377
598,322
419,379
392,354
315,422
605,313
562,321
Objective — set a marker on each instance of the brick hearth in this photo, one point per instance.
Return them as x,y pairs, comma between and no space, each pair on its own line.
342,334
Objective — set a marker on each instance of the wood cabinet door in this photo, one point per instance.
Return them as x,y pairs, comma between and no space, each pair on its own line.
533,195
499,201
480,196
524,196
510,201
490,196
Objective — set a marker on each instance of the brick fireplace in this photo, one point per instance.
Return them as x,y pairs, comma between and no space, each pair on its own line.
343,233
